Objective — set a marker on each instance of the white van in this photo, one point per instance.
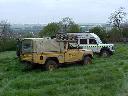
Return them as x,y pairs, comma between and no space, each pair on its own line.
92,41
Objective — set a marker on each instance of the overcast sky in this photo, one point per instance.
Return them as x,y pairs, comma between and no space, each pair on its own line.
45,11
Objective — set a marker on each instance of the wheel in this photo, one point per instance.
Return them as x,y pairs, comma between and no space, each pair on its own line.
51,65
87,60
105,53
28,66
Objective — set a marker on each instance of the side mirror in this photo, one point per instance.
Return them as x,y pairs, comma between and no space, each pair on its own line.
79,47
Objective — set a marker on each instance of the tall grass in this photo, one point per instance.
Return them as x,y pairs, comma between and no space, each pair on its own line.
105,77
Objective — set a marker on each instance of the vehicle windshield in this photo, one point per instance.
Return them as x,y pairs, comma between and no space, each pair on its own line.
99,41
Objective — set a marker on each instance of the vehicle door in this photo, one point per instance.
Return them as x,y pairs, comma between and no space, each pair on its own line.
71,54
92,44
83,43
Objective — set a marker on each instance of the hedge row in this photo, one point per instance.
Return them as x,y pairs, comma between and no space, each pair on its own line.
7,45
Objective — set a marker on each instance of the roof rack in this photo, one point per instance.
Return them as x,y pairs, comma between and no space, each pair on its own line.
62,37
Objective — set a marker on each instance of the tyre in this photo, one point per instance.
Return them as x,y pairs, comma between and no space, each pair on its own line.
28,66
51,65
105,53
87,60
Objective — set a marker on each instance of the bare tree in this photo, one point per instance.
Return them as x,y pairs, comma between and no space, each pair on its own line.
117,18
5,31
66,23
4,34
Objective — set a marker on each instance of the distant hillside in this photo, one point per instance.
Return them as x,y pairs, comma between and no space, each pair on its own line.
38,27
26,27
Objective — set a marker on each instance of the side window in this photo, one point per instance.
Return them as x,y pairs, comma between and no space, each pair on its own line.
26,46
83,41
92,41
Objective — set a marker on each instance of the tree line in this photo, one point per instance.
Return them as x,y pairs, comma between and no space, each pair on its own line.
65,25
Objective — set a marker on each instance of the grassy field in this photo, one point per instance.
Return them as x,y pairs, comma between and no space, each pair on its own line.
105,77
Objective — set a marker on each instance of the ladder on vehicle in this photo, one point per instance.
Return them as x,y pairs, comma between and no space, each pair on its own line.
62,37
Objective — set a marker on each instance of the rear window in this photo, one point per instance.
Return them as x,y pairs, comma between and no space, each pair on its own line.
83,41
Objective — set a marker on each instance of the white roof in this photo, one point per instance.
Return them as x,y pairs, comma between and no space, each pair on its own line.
36,38
85,35
94,35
